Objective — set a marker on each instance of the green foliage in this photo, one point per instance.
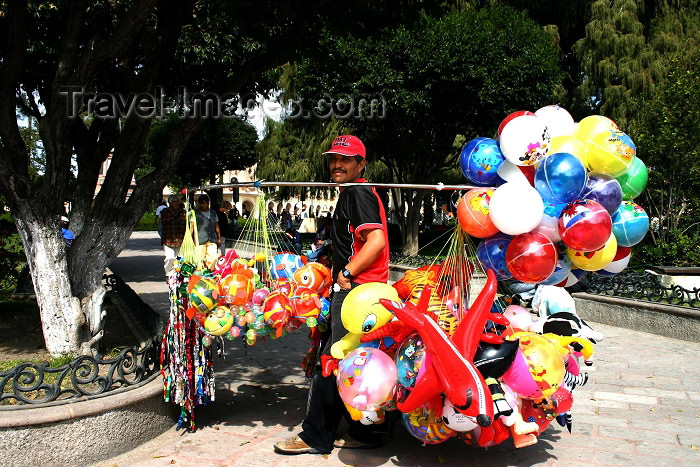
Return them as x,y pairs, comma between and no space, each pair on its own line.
665,131
12,257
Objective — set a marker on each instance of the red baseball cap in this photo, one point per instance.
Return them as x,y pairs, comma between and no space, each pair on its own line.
347,145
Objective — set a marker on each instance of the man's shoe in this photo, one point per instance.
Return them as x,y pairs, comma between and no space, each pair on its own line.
294,445
346,442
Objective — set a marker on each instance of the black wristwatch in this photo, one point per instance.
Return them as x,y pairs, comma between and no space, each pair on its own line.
346,274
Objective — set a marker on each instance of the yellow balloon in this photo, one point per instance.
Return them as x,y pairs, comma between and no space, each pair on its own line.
610,153
545,365
570,144
594,260
593,125
219,321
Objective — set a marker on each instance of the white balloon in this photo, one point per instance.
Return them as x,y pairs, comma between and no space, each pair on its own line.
511,173
558,120
525,140
516,208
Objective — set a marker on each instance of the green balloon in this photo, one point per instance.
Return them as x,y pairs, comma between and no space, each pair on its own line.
634,180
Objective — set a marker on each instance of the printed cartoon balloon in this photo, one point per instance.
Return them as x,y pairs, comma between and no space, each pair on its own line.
473,213
594,260
538,369
560,178
366,378
424,425
219,321
630,224
610,153
284,264
531,257
558,120
593,125
634,180
409,359
524,140
585,225
605,190
479,161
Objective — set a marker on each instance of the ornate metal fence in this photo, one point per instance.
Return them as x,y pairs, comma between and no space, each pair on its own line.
31,384
643,285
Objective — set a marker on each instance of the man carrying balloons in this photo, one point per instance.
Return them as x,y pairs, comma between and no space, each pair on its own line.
360,255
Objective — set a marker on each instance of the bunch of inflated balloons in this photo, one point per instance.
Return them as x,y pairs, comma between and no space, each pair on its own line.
482,375
557,198
233,299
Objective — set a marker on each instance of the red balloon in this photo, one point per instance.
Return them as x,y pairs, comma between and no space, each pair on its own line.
510,117
531,257
473,213
585,225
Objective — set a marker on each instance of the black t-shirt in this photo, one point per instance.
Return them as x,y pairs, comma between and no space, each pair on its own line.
359,208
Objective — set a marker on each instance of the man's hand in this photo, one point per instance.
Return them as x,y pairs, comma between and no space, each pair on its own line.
343,282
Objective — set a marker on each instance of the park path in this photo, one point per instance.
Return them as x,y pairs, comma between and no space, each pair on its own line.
641,405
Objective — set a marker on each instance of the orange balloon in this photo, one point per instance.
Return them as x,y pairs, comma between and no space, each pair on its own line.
473,213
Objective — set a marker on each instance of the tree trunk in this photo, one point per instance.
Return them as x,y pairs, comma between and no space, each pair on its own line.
407,206
63,320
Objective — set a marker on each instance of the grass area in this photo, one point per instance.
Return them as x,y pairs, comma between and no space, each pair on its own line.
147,222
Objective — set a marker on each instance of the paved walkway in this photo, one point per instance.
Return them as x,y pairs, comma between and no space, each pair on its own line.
641,405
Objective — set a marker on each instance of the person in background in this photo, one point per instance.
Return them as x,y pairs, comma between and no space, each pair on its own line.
360,255
291,241
159,209
68,235
208,233
223,225
174,221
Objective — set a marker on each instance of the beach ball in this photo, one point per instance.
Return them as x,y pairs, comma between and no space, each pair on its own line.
473,213
456,420
630,224
305,302
277,309
203,293
237,289
558,120
634,180
610,153
560,178
491,253
569,144
538,369
594,260
593,125
561,270
524,140
366,379
284,264
510,117
585,225
549,225
531,257
424,425
604,189
574,276
411,360
219,321
619,261
516,208
480,159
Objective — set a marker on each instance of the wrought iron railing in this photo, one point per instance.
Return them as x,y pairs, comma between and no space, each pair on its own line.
643,285
32,384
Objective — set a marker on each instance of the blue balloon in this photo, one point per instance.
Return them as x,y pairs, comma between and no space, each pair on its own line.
560,178
480,160
283,265
630,224
491,253
561,271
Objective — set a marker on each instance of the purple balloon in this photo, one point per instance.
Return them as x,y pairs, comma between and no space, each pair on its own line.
605,190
